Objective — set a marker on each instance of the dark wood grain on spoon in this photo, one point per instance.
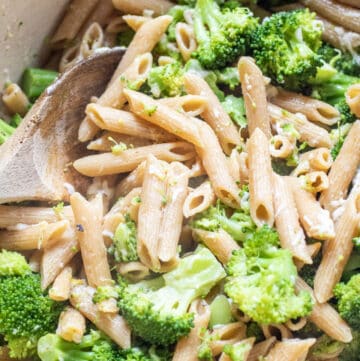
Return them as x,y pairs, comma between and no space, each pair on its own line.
35,162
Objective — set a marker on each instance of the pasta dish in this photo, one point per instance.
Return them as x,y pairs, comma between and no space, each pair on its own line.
222,219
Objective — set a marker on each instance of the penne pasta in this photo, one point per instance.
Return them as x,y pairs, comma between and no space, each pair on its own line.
116,25
314,109
112,325
325,317
88,218
137,7
352,96
318,159
276,330
15,100
254,93
261,349
260,179
287,223
185,40
315,220
69,58
72,325
163,116
353,3
192,105
128,160
215,164
314,135
92,39
60,290
134,271
35,260
133,180
135,22
314,182
290,350
214,114
199,199
281,146
187,347
343,169
30,237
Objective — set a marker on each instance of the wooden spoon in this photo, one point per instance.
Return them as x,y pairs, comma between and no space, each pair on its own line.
35,162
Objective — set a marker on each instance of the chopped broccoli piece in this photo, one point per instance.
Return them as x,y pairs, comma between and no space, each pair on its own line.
345,112
228,76
237,352
16,119
104,293
13,264
235,107
337,136
356,242
156,310
348,298
124,248
204,351
261,280
5,131
125,37
220,311
254,330
308,271
325,346
222,35
26,312
285,47
166,80
239,225
351,350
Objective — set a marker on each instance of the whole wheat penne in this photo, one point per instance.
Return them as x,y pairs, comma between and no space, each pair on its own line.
15,100
314,135
297,325
214,114
133,180
88,218
137,7
185,40
104,185
227,335
135,21
112,325
353,3
11,215
287,223
220,243
35,260
192,105
247,344
337,252
314,182
281,146
125,123
253,88
343,169
261,349
187,346
325,316
60,290
72,325
128,160
276,329
172,215
290,350
150,212
163,116
196,167
108,306
134,271
57,256
29,237
234,166
313,250
91,40
314,109
260,179
135,75
338,13
145,39
319,159
244,167
199,199
69,57
74,18
315,220
215,164
352,96
116,25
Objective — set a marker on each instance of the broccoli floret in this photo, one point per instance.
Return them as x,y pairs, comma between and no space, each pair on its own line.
356,242
348,298
228,76
124,246
220,311
285,47
235,107
156,310
5,131
345,112
308,271
222,35
237,352
13,264
26,312
104,293
204,351
261,280
338,136
325,346
166,80
239,225
177,13
254,330
125,37
351,351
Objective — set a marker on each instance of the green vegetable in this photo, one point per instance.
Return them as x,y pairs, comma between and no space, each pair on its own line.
35,81
220,311
348,298
254,330
325,346
237,352
222,35
104,293
5,131
308,271
204,351
125,37
26,312
16,120
166,80
261,280
235,107
351,350
156,310
124,247
285,47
